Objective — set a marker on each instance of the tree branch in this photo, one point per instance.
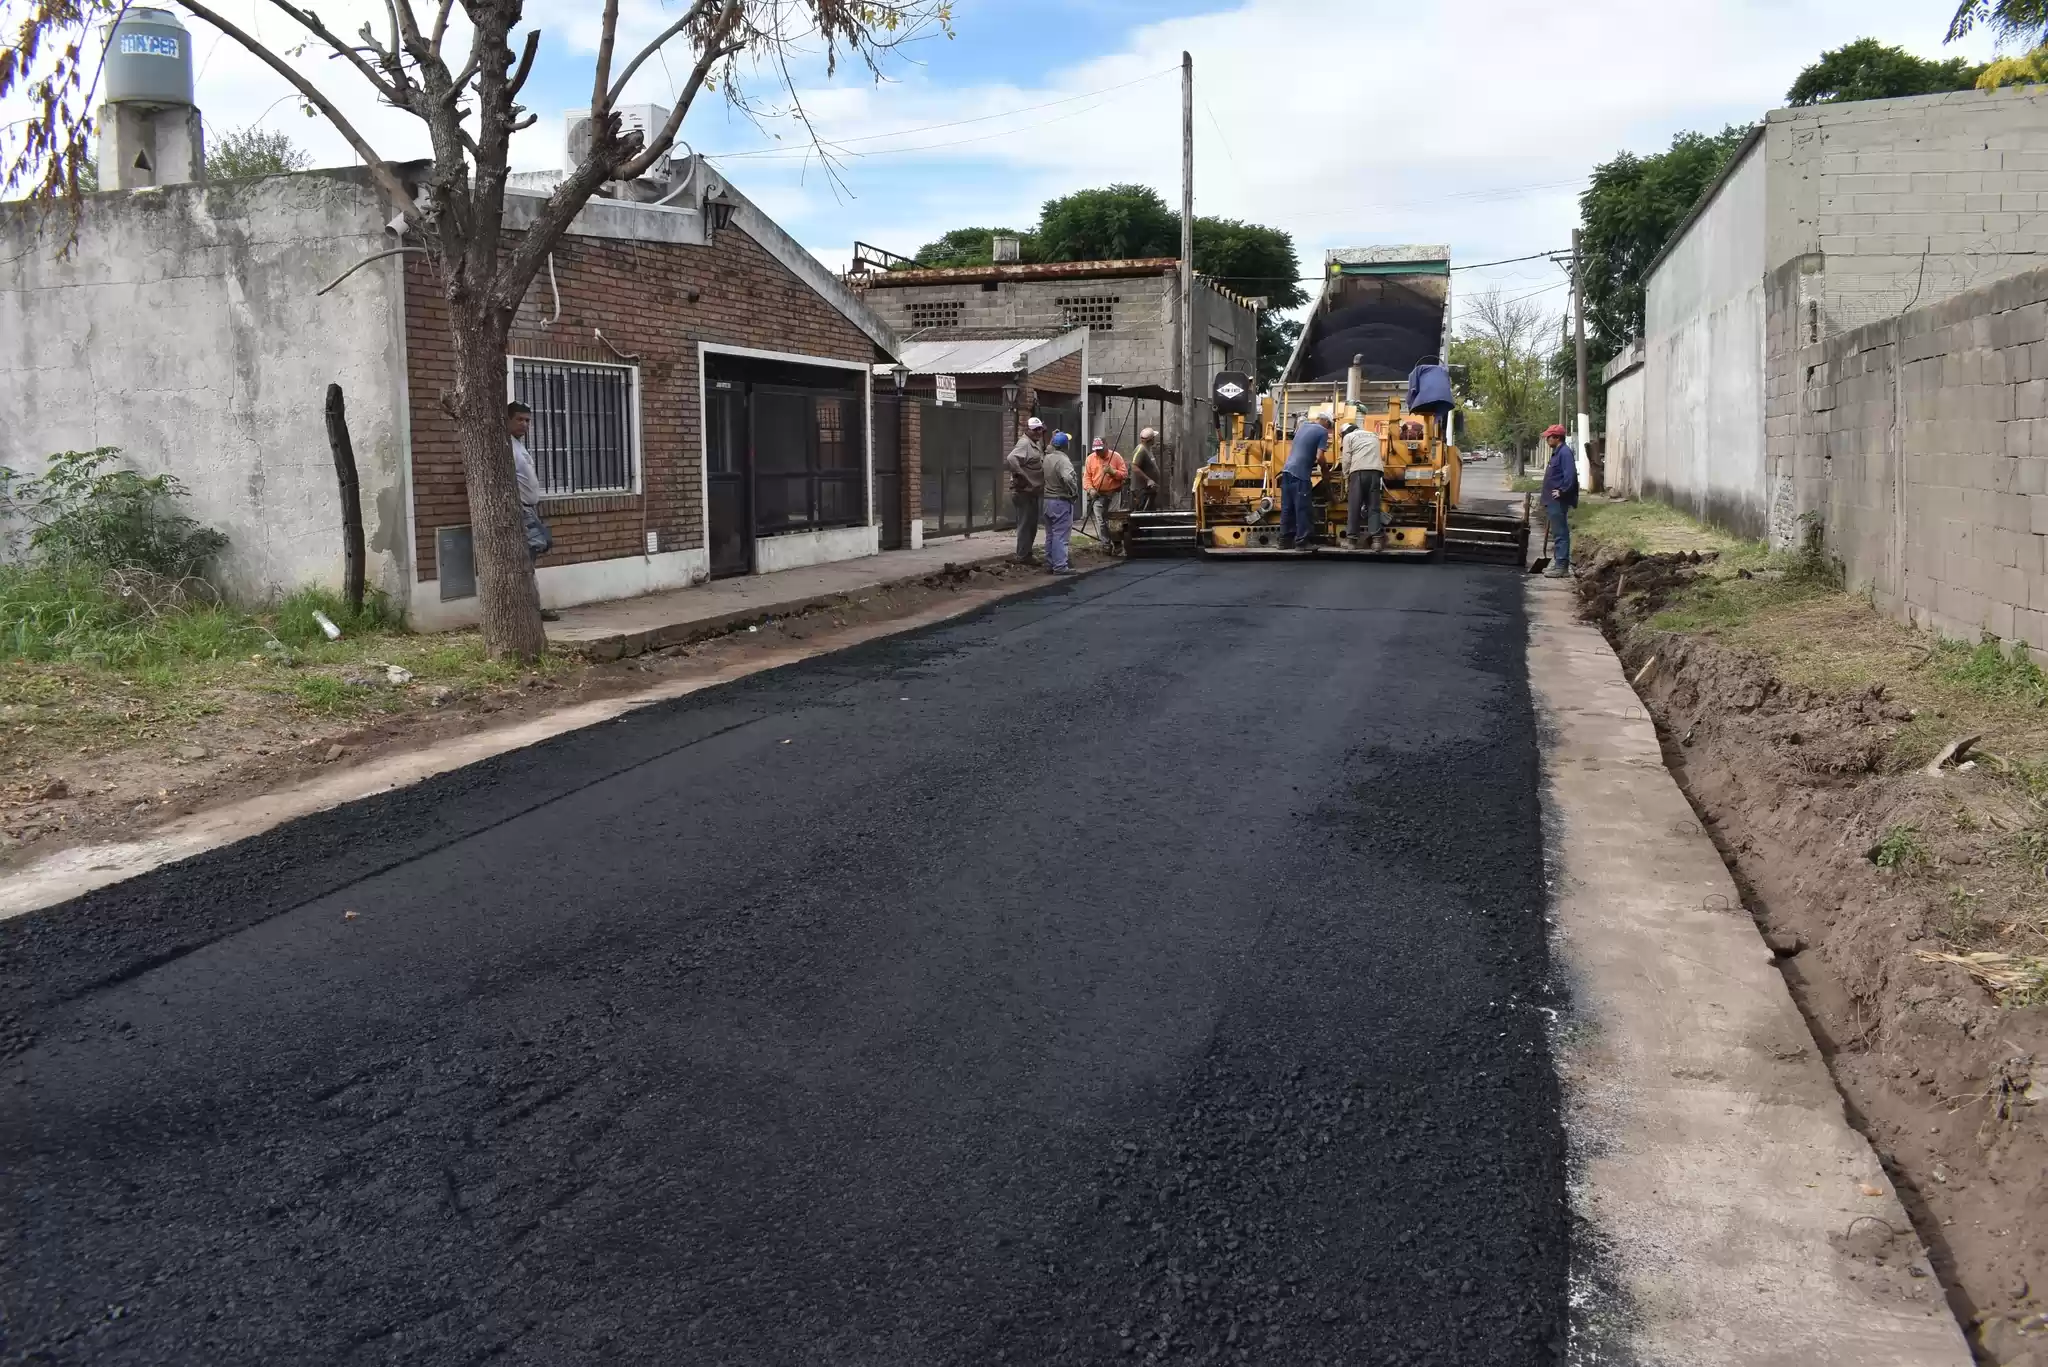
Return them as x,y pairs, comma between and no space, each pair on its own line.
525,67
691,16
441,23
399,97
603,79
380,172
718,45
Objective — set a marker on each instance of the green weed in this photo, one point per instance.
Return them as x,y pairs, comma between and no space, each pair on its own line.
323,693
1900,849
1992,671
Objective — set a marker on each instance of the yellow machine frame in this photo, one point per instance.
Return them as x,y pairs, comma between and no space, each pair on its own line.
1237,495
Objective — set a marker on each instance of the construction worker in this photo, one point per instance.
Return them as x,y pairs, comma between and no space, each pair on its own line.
1297,510
1025,467
1062,489
1145,474
1102,477
1560,496
1364,470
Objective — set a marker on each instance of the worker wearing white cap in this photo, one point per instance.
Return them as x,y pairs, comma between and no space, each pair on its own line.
1025,466
1145,473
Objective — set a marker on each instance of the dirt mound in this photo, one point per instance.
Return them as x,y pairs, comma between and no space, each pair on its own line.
1859,870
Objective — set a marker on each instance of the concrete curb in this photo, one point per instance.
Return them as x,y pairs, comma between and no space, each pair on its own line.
1729,1213
624,644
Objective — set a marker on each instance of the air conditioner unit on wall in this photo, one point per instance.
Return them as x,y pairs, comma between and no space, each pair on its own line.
649,119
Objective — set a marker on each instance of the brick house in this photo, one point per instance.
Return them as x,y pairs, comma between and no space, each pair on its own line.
703,391
1130,309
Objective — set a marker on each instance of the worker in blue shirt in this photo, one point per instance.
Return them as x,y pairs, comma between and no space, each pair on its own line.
1560,496
1297,510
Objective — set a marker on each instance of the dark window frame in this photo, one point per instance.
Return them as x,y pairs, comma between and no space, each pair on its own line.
585,439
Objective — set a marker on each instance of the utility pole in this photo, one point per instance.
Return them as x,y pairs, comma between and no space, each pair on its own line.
1564,339
1585,444
1190,428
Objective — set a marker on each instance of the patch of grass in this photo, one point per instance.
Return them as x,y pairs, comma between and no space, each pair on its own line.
1654,529
1990,670
52,614
1525,484
292,620
323,693
1901,849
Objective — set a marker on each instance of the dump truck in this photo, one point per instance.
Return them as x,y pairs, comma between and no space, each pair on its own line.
1380,324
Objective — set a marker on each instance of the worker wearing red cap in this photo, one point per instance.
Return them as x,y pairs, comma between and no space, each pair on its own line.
1560,496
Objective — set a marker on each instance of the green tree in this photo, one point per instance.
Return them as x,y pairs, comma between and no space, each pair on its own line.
973,247
2014,21
1869,70
1503,347
243,153
1251,259
1112,224
1628,213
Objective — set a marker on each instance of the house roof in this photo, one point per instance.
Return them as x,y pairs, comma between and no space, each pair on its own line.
634,221
983,356
1042,270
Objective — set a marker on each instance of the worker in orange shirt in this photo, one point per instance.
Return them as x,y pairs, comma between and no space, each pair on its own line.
1101,481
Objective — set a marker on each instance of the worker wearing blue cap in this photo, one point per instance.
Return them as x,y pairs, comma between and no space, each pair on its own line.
1062,491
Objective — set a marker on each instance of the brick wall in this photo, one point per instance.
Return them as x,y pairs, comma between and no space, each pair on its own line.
1061,377
1921,444
640,295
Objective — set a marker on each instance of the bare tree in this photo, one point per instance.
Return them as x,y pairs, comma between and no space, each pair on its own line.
1502,344
468,100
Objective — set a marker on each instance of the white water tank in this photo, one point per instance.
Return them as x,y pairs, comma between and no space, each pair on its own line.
149,60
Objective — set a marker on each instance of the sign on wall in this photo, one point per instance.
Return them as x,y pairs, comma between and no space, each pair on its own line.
948,388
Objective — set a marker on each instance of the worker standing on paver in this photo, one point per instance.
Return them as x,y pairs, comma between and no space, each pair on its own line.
1062,489
1103,478
1365,468
1025,466
1145,474
1560,496
1297,510
539,540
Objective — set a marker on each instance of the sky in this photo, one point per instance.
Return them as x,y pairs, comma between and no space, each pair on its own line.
1473,123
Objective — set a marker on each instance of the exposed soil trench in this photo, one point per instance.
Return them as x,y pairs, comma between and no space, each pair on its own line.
1797,789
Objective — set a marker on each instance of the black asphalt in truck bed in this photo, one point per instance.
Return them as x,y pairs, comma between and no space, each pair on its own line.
1146,970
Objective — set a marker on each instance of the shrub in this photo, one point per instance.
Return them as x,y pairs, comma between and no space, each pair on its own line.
82,515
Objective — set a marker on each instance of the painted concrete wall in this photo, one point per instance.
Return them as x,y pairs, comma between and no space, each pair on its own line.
1703,447
1627,422
184,328
1920,444
794,550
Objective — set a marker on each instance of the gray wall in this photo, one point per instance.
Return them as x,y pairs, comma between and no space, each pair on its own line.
1921,443
1627,422
1908,201
183,327
1703,350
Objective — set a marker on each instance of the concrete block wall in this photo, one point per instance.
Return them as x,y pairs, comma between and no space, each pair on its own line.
1910,200
1921,444
1627,422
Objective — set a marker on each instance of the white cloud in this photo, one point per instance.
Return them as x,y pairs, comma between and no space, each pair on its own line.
1472,122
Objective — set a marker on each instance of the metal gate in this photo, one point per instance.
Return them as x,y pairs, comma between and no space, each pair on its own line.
963,469
888,441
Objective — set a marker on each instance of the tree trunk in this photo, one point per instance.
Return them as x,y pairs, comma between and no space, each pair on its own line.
507,597
351,498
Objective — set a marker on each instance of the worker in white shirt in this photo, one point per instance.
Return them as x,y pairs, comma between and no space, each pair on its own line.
1365,469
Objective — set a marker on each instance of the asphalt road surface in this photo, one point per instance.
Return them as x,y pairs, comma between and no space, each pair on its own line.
1147,970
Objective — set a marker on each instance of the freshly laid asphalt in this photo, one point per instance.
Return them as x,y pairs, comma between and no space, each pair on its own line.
1151,969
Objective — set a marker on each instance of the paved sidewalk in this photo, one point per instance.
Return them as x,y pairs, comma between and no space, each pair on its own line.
632,626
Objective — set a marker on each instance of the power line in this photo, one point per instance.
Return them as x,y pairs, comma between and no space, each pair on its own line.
953,123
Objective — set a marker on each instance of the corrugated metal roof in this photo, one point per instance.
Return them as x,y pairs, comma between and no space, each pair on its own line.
983,356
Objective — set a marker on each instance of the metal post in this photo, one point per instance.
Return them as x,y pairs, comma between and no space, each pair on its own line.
1190,425
1585,446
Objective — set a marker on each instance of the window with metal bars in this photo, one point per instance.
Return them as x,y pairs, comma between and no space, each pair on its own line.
585,437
